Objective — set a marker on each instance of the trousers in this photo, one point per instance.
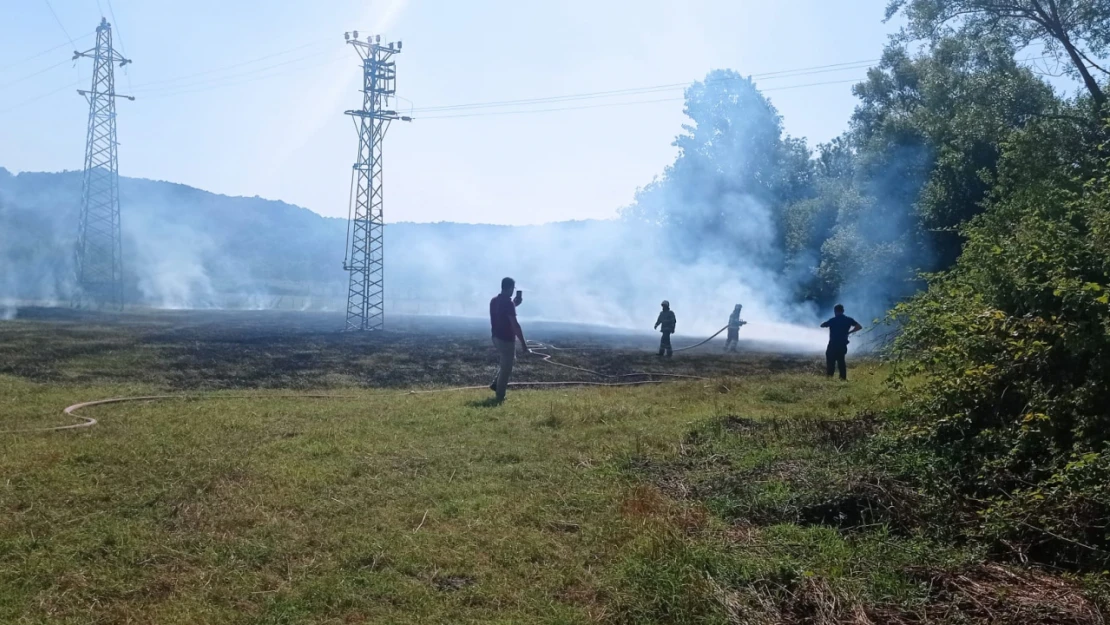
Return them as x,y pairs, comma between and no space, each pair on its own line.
506,354
665,344
834,358
732,338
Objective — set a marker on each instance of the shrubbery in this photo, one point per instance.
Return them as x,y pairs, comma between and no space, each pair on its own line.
1012,422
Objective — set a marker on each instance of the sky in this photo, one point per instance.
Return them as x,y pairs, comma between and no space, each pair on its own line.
247,97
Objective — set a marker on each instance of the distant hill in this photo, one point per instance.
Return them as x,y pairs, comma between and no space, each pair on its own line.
188,248
185,247
181,245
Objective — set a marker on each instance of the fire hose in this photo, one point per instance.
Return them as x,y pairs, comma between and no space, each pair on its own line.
535,347
682,349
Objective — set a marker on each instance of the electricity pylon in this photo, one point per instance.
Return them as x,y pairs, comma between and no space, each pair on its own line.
99,253
365,253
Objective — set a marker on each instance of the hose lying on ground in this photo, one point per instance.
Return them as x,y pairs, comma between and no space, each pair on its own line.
538,348
535,346
87,422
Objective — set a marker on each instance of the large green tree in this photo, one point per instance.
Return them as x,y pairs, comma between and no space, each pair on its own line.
734,171
929,129
918,161
1077,32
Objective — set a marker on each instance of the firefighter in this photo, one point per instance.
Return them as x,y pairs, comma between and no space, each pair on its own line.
667,321
734,324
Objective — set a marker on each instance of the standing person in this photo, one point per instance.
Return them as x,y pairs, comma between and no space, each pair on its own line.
840,326
734,324
667,320
506,330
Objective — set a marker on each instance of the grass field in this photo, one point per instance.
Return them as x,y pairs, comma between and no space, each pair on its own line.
732,499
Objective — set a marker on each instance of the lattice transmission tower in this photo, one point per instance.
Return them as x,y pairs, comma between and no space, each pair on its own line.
365,253
99,253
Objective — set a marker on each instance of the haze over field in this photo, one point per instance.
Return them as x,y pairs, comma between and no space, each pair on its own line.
735,209
192,249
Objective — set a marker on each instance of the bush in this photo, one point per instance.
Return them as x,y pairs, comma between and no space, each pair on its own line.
1013,419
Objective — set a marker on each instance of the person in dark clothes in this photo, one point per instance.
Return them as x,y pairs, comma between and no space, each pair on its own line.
667,321
840,326
506,330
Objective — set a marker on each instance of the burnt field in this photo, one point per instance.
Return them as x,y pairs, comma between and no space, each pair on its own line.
198,350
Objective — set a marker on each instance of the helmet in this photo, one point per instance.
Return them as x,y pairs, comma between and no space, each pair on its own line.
666,303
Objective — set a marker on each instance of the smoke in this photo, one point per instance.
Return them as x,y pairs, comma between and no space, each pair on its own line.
718,227
31,261
612,273
169,262
185,248
182,248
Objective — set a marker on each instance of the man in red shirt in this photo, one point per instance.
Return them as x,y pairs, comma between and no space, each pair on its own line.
506,330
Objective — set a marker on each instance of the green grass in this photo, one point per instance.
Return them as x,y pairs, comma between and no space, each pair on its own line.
737,499
382,507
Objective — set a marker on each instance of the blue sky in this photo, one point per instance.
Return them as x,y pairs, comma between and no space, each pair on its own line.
247,97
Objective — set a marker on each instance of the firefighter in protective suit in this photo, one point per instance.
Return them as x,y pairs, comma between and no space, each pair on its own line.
667,321
734,323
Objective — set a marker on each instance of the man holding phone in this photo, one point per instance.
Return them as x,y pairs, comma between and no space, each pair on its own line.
506,330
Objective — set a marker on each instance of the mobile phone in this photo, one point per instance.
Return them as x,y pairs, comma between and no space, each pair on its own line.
519,293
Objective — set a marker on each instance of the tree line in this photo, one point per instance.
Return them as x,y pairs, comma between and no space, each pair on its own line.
969,199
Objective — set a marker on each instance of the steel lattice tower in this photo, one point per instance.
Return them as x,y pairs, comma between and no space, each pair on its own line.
99,253
364,257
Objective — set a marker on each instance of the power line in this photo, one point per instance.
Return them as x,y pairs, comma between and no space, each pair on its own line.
39,97
235,79
32,75
552,110
632,103
47,51
119,37
64,31
776,75
59,21
179,84
144,86
175,91
789,73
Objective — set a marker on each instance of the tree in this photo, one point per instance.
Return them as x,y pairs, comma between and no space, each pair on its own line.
928,130
734,172
1080,29
1013,348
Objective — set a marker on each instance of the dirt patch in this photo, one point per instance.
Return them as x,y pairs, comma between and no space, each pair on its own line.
451,583
566,527
865,503
844,433
733,423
